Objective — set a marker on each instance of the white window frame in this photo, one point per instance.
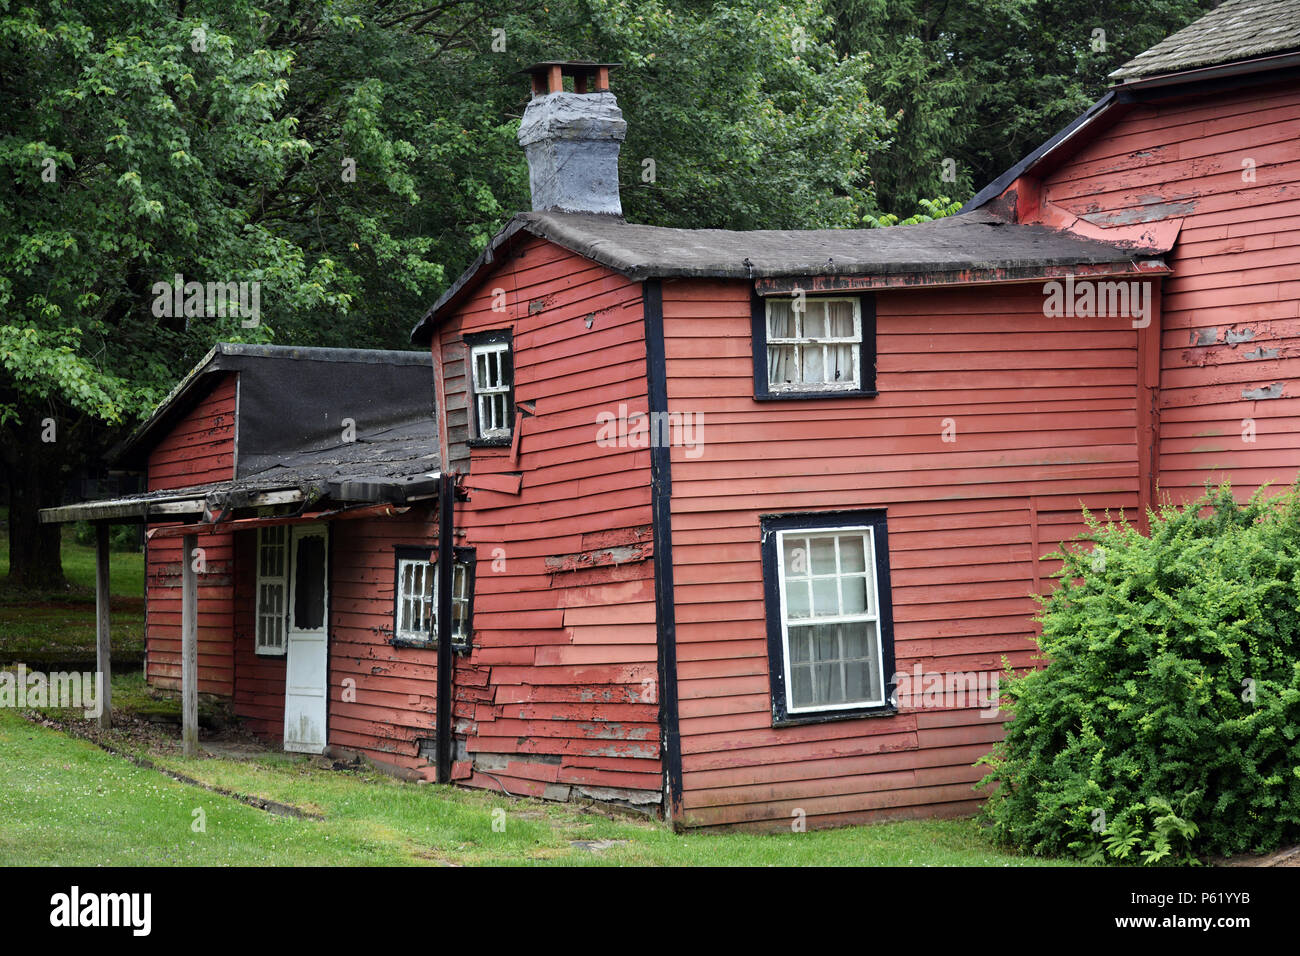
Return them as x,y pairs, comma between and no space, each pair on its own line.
800,342
485,424
418,602
261,644
872,616
459,596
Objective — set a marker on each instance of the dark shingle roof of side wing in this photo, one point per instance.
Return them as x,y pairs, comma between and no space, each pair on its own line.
1236,30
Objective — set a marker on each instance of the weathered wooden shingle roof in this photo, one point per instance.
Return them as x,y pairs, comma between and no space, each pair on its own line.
976,240
1237,30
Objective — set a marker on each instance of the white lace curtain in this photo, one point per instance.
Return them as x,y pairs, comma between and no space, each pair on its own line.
813,358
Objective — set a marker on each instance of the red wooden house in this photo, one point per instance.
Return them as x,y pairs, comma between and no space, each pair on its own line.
749,521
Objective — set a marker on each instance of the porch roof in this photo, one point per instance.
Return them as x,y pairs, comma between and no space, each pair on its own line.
341,476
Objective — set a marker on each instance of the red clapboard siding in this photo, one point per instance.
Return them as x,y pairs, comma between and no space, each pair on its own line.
199,449
1046,419
564,620
1230,309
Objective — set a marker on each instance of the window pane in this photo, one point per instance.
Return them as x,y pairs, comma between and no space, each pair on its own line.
826,685
854,591
852,557
839,319
826,597
801,687
823,555
862,680
795,553
780,319
782,365
309,583
814,367
814,320
839,363
797,604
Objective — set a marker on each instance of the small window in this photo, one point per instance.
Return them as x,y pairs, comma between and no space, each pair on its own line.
272,586
492,378
416,609
814,346
830,628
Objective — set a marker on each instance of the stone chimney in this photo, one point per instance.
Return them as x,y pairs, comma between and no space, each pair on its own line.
572,139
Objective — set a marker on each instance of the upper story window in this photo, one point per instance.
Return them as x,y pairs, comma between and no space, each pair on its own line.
830,625
491,382
814,346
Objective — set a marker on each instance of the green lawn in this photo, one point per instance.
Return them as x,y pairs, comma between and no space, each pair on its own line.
66,801
53,628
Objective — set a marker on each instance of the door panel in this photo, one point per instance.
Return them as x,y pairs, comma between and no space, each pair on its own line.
307,668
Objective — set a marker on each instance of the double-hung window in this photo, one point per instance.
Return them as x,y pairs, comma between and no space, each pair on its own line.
830,626
492,382
272,589
814,346
415,612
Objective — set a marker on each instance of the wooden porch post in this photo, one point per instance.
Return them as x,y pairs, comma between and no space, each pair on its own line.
189,647
103,647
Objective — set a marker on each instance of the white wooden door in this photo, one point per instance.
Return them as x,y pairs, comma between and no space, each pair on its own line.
307,637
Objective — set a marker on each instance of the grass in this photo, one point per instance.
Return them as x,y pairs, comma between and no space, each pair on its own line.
53,628
65,801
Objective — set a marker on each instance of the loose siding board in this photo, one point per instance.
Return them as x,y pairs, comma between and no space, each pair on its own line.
1230,355
564,618
199,449
1045,415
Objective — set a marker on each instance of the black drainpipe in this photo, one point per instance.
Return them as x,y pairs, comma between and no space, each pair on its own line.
446,662
661,495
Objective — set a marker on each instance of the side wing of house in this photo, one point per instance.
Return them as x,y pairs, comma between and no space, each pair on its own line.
1227,164
992,425
558,696
199,449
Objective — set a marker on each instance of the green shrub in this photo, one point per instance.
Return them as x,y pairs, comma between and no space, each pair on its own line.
1165,725
121,537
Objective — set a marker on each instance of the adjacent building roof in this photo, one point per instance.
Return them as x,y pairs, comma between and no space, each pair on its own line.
280,371
976,240
1236,30
293,408
1241,40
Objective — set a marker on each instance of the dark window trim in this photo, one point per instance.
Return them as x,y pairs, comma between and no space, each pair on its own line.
866,355
769,525
465,556
490,337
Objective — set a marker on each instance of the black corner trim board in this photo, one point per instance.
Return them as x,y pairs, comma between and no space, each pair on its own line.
661,493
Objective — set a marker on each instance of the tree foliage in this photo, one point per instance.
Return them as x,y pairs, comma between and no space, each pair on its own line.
983,82
353,156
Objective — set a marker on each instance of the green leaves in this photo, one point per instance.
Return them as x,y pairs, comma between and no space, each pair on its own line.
1171,698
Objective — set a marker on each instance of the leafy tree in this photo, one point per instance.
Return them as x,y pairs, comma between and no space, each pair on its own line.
980,83
350,157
